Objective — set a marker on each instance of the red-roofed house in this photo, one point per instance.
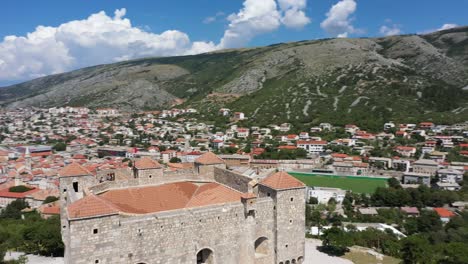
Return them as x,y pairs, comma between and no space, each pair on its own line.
426,125
444,214
406,151
6,197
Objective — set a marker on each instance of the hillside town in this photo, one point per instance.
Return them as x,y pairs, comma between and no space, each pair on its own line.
39,146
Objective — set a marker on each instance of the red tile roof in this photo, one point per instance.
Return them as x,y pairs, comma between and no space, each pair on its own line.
74,169
50,208
16,195
151,199
90,206
209,158
147,163
287,147
442,212
282,180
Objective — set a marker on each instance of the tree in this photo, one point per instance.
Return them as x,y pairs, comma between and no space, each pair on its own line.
394,183
416,250
313,200
60,146
175,160
50,199
13,210
336,241
19,189
43,237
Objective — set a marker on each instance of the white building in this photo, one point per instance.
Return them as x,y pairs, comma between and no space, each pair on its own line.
324,194
312,146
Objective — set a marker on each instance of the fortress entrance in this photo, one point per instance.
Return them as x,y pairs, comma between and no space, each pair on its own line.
261,247
205,256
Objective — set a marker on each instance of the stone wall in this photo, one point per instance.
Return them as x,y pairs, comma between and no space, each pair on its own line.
148,173
168,177
175,236
232,179
290,224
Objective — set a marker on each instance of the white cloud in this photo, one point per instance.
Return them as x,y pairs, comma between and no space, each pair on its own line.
390,30
256,17
211,19
102,39
339,22
95,40
443,27
259,17
293,13
447,26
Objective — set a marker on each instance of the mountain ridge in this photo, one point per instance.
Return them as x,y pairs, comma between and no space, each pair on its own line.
398,77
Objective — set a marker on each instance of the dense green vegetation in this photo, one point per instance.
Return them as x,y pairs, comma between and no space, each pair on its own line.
428,240
283,154
355,184
19,189
429,243
32,235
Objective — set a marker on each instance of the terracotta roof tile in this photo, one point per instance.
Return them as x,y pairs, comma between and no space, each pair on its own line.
90,206
50,208
213,193
147,163
209,158
74,169
151,199
282,180
442,212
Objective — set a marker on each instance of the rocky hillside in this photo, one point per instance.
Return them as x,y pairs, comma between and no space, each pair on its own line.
400,78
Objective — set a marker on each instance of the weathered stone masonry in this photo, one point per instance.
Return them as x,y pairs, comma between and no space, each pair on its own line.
266,226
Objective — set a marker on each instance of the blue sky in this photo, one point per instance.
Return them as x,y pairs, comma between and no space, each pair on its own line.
197,26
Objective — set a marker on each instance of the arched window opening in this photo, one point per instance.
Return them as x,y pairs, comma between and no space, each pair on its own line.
205,256
261,247
300,260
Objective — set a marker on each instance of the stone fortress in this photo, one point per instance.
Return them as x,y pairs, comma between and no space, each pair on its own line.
205,215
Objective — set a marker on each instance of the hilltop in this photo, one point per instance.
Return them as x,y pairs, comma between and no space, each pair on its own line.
367,80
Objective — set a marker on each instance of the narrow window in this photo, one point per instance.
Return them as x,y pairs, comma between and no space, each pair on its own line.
268,194
75,186
96,261
95,231
292,199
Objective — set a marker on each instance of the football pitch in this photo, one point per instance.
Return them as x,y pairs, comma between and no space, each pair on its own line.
354,184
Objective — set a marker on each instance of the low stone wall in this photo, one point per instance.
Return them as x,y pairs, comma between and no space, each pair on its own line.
168,177
232,179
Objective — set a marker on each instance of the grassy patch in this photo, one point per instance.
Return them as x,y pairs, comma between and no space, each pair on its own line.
364,258
355,184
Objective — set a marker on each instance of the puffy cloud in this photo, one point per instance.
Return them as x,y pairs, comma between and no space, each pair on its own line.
390,30
338,22
95,40
293,13
259,17
256,17
102,39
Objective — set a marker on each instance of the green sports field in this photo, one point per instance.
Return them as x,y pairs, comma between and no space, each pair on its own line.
355,184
